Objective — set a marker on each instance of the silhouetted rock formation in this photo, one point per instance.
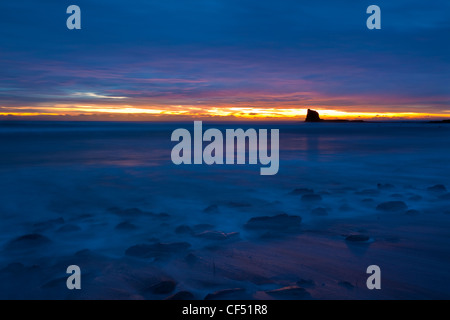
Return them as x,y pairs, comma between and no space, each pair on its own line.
312,116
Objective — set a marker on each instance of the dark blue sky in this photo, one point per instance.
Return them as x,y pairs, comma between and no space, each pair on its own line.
227,57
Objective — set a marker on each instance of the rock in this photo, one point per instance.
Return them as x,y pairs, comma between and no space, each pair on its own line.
156,250
290,292
48,224
83,253
135,212
346,284
217,235
301,191
281,222
55,283
132,212
311,197
321,212
392,206
233,204
345,208
28,241
357,238
412,212
68,228
126,226
15,267
212,235
368,192
233,235
163,287
227,294
385,186
162,215
214,208
181,295
306,283
445,196
84,216
191,258
439,188
202,227
415,197
183,229
312,116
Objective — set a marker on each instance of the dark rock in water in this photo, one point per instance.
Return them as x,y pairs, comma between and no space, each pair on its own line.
345,208
132,212
44,225
392,206
439,188
126,226
28,241
396,195
182,295
68,228
346,284
139,250
385,186
302,191
156,250
412,212
191,258
233,204
15,267
55,283
217,235
312,116
162,215
227,294
445,196
202,227
321,212
212,235
233,235
357,238
368,192
84,216
415,197
183,229
311,197
281,222
291,292
306,283
83,253
214,208
163,287
135,212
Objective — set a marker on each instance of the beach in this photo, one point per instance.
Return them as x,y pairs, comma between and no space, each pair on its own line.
106,196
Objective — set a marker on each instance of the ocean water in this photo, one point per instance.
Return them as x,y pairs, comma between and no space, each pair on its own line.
74,183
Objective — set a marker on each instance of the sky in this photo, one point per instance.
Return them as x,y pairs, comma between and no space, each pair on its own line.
224,59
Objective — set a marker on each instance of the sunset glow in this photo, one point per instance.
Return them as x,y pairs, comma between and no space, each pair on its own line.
216,113
224,62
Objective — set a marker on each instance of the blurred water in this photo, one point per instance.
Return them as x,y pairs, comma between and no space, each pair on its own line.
79,171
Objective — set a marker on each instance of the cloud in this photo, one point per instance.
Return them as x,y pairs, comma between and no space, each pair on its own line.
94,95
225,53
